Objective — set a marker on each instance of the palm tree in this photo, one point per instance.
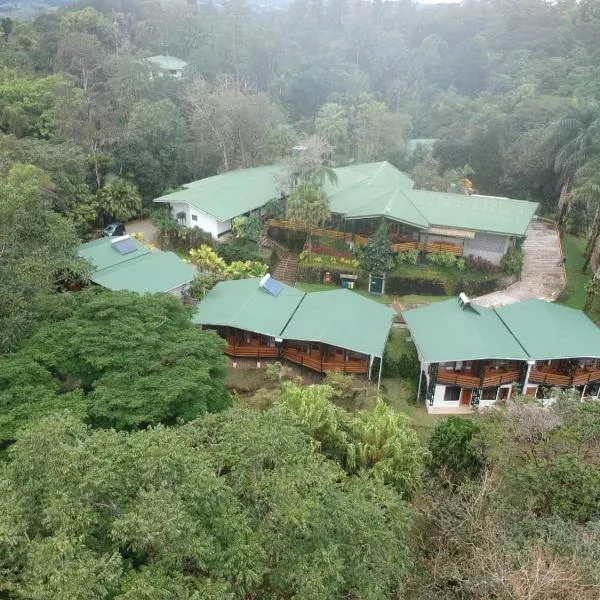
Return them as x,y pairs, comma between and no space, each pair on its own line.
119,199
308,206
575,139
587,191
332,123
320,173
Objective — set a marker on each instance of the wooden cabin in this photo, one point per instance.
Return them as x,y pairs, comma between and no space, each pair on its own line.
322,331
473,356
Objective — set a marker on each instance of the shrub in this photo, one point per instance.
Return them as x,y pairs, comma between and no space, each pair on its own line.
453,449
443,259
476,263
327,251
405,366
201,285
238,249
242,270
329,262
206,259
409,257
512,262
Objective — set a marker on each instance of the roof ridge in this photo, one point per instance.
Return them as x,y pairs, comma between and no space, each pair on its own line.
293,313
511,332
403,191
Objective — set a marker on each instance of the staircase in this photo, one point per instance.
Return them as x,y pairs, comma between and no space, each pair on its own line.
287,267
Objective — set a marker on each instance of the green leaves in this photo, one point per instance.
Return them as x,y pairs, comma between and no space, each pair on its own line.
377,256
231,506
119,360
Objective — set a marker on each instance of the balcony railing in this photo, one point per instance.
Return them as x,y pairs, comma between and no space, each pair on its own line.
492,378
585,376
549,376
327,364
361,239
251,351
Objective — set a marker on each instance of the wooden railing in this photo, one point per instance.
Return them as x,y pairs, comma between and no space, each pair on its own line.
326,364
549,377
361,239
491,378
357,238
430,247
251,351
584,376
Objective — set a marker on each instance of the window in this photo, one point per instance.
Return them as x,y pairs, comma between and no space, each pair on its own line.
452,394
180,216
489,393
194,217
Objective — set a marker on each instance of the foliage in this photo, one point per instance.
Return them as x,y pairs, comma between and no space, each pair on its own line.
37,251
447,260
242,270
207,260
249,228
453,448
237,249
379,443
182,512
308,206
120,360
329,262
409,257
477,263
377,256
119,200
328,251
202,284
512,261
405,366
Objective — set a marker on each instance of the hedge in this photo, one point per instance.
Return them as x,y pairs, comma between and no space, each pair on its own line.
405,367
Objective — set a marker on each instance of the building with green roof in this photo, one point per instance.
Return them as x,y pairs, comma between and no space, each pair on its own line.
167,65
135,268
481,226
472,356
323,331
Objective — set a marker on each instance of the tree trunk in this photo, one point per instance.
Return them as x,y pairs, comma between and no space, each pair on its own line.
309,241
592,244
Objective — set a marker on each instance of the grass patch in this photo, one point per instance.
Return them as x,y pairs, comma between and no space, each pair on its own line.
574,294
401,395
398,343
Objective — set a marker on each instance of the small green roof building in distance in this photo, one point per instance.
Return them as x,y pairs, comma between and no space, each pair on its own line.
167,65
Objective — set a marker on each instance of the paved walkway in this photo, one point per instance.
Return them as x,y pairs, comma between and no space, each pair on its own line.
543,274
149,231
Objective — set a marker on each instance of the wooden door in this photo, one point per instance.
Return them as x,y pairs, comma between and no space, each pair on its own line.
465,397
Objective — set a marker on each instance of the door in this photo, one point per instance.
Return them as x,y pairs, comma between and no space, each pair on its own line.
465,397
375,284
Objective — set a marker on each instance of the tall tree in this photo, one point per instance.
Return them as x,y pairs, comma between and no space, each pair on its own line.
37,249
308,206
119,199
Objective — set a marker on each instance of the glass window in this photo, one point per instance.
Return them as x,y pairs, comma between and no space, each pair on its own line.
452,394
194,217
489,393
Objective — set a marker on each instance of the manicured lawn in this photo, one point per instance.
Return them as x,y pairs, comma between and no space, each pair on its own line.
411,299
574,294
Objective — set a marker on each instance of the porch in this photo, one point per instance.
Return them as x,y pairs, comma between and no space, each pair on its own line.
478,374
323,357
564,374
247,344
400,241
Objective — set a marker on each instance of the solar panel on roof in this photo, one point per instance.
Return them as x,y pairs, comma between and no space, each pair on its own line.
125,246
272,286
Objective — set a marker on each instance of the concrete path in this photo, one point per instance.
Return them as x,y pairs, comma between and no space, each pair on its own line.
543,273
149,231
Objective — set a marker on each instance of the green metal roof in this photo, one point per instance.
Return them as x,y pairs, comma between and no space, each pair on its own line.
481,213
230,194
168,63
150,273
445,332
245,305
361,191
341,318
549,331
102,254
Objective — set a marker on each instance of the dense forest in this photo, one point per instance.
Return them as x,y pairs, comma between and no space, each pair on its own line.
129,466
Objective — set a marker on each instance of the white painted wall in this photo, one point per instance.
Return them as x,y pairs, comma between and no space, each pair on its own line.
197,218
